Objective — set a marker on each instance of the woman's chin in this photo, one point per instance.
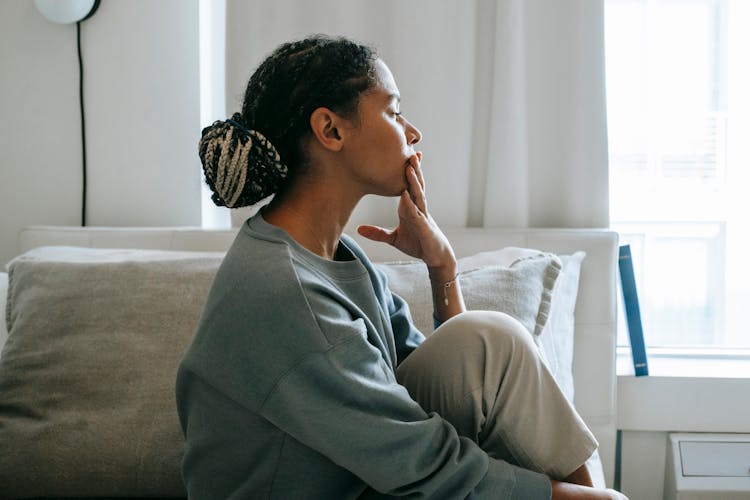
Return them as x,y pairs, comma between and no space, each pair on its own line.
393,190
401,188
390,193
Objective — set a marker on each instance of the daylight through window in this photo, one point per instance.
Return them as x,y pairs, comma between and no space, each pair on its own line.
678,105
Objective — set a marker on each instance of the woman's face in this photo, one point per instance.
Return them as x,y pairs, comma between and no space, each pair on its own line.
381,140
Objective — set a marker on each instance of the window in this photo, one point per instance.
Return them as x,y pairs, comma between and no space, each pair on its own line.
678,105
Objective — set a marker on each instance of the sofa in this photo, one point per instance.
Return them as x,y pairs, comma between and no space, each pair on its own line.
96,321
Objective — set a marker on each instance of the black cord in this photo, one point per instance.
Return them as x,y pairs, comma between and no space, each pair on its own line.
83,123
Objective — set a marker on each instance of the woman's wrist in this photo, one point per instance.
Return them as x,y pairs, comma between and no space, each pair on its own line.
443,273
447,299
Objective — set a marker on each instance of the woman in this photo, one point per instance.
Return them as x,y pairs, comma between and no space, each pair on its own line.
306,377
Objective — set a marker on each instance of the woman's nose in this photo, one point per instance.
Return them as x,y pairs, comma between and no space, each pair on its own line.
413,135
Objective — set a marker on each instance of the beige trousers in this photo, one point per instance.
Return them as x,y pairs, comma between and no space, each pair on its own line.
482,372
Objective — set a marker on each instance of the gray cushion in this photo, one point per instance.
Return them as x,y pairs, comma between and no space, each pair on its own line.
558,337
87,403
519,284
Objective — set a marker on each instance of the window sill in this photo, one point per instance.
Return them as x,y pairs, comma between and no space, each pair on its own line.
689,363
685,390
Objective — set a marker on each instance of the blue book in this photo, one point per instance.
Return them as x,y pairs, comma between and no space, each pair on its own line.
632,311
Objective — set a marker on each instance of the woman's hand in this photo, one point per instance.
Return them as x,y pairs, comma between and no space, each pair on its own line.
417,233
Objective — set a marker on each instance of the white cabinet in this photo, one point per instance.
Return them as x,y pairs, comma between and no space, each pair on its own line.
708,466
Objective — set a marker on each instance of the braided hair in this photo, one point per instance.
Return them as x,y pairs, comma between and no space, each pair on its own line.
253,154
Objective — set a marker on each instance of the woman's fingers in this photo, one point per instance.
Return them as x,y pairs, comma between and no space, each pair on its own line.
416,192
376,233
418,168
408,207
416,182
416,162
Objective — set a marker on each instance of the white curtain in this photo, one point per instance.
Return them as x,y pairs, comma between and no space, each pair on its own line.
509,96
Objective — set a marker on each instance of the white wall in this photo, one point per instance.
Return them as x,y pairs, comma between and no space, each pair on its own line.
142,117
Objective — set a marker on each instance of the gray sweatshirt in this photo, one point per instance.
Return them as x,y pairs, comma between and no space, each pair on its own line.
288,389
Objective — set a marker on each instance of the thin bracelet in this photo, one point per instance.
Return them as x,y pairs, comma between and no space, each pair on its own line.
446,286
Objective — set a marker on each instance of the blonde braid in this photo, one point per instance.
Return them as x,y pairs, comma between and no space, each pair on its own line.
237,173
221,177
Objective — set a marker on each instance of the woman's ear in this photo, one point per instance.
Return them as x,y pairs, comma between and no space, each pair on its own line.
327,128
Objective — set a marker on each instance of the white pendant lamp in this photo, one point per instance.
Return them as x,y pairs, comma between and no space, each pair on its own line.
66,11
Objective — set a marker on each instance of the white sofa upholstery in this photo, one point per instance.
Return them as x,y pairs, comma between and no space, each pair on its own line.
595,311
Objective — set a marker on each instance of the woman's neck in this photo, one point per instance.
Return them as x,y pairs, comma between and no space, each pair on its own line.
313,218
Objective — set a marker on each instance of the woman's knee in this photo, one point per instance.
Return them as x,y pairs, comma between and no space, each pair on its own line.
465,345
459,369
497,331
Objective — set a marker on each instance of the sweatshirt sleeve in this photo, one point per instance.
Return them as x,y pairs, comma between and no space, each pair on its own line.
405,335
346,404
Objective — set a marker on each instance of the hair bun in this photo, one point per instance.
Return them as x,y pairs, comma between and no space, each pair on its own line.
241,166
